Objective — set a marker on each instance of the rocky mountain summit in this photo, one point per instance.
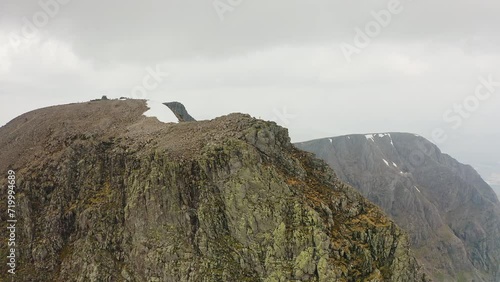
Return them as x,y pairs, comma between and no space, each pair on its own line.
451,214
105,193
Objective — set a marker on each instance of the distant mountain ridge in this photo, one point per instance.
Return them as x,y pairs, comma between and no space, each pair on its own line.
452,215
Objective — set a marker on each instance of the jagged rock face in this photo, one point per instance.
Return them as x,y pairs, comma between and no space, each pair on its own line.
106,194
180,111
451,214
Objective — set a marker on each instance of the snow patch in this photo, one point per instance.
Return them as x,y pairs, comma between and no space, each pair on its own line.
388,135
386,162
369,136
331,141
379,135
394,164
417,189
161,112
390,138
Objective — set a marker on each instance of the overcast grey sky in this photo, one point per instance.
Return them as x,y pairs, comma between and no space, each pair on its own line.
321,68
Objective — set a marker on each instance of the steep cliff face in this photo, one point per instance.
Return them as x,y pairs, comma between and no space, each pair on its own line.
106,194
451,214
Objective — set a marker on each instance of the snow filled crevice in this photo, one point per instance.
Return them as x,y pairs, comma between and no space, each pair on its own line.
370,137
379,135
161,112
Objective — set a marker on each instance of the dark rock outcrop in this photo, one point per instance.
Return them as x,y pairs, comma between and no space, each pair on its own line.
107,194
451,214
180,111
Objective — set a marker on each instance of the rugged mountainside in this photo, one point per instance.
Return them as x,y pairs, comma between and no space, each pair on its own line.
451,214
107,194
